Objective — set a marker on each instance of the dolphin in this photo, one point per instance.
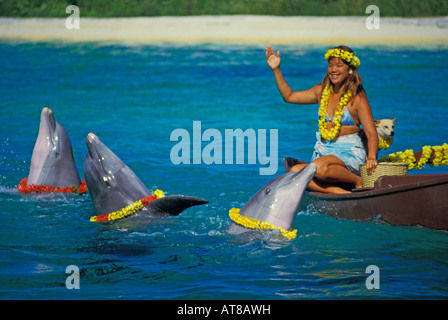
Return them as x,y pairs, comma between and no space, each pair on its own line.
113,185
52,162
277,202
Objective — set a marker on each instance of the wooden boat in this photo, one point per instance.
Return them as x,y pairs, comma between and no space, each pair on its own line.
399,200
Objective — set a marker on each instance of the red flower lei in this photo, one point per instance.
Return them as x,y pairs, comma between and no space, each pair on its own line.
124,212
23,188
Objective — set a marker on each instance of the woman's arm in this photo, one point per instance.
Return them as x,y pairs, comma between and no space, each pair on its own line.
309,96
366,119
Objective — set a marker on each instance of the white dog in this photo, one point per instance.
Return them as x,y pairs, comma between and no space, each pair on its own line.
385,130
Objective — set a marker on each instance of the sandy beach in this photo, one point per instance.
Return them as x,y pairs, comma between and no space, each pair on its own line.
233,29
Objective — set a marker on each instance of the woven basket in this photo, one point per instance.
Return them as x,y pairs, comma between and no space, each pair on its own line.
383,169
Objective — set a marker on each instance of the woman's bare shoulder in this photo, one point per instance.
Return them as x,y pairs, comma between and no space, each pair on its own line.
360,100
318,90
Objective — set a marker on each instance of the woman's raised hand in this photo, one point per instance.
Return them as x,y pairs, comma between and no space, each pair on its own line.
272,59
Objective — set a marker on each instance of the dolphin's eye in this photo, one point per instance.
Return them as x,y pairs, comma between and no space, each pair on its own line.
267,191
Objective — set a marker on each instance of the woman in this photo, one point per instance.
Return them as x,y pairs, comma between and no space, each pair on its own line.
343,109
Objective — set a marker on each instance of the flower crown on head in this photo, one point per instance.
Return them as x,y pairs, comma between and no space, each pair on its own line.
350,57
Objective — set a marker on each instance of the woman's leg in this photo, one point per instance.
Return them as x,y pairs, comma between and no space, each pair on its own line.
330,169
318,185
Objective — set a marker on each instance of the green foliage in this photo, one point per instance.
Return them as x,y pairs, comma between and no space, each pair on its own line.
141,8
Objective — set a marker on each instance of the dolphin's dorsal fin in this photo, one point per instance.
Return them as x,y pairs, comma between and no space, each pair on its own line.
175,204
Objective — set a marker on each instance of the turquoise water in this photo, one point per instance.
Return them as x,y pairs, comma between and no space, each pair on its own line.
133,97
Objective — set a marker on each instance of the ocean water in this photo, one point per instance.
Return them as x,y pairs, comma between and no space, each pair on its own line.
133,97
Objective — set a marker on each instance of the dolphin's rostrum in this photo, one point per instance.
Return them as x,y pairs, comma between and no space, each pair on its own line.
52,162
277,202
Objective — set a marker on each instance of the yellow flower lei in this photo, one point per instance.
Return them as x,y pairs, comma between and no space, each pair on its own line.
250,223
440,155
350,57
427,152
382,144
408,156
128,210
334,132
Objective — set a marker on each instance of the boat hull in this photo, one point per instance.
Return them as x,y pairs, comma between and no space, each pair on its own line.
399,200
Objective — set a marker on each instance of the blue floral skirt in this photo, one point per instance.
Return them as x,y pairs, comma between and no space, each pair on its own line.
348,148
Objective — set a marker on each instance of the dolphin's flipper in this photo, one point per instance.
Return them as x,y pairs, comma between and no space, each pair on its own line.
175,204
